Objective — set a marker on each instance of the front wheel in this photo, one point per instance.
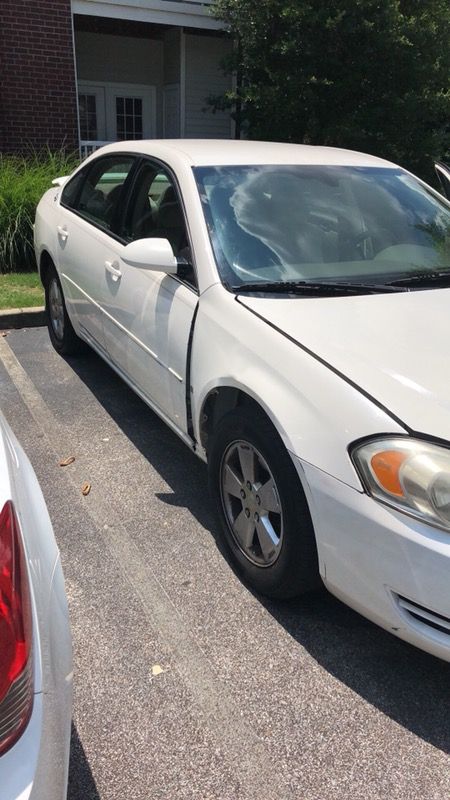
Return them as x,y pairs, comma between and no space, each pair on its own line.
60,329
262,507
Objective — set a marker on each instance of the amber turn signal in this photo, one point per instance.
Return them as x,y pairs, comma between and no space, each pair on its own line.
386,466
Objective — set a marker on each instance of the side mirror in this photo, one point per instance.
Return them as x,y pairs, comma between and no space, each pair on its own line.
154,254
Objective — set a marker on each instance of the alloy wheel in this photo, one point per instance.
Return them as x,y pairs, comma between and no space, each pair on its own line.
56,308
251,503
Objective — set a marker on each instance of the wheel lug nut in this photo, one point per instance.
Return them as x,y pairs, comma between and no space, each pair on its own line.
247,513
242,494
258,499
256,517
249,486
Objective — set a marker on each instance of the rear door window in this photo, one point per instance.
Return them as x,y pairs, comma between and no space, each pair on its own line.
103,192
71,189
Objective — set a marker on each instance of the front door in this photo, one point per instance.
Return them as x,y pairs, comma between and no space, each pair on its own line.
116,111
148,314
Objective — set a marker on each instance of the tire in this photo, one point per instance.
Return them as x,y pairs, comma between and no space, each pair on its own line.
279,558
62,335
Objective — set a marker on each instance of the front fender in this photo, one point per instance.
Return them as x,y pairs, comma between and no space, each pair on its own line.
315,411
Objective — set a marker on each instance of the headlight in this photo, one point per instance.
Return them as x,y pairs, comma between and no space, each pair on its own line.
408,474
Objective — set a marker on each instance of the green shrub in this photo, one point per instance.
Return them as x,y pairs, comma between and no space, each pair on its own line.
23,181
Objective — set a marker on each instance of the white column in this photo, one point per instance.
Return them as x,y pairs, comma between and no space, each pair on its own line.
182,84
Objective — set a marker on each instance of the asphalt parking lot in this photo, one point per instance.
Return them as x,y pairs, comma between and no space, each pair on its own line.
186,684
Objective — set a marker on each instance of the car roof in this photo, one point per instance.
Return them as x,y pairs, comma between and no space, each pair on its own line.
212,152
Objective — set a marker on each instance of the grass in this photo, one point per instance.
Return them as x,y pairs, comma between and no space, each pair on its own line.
23,181
21,290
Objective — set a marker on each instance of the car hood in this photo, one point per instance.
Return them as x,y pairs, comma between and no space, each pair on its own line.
394,347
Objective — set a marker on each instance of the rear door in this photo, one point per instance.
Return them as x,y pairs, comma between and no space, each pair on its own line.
87,238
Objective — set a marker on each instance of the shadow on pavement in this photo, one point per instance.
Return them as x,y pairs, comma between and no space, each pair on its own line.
408,685
81,782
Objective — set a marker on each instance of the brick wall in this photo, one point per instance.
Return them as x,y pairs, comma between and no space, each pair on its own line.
37,76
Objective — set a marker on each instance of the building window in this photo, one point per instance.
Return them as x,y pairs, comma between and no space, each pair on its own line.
88,116
129,117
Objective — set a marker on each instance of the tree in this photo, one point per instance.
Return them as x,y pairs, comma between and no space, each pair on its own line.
370,75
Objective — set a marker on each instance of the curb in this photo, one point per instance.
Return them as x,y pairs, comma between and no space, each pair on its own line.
22,318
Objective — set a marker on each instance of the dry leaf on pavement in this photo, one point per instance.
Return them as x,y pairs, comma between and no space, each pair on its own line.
157,670
66,461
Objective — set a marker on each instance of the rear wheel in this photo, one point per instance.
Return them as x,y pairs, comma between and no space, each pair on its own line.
263,510
61,332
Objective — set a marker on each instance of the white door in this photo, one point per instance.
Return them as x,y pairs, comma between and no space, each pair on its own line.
115,111
92,112
172,111
148,314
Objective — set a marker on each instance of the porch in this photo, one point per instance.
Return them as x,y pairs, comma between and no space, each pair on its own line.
139,80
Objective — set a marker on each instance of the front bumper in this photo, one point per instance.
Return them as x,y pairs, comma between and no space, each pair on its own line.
389,567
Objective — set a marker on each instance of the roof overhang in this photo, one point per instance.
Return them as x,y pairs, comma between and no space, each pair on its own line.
185,13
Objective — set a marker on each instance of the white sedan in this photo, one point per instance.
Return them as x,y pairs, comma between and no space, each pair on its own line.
35,642
285,310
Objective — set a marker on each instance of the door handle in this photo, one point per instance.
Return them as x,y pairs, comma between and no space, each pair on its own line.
112,268
62,233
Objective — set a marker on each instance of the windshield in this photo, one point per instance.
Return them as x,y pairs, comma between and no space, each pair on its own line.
297,223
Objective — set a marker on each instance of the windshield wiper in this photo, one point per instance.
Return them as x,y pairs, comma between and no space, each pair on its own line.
423,278
317,287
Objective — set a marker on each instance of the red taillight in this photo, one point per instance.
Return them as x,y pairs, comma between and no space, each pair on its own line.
16,682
